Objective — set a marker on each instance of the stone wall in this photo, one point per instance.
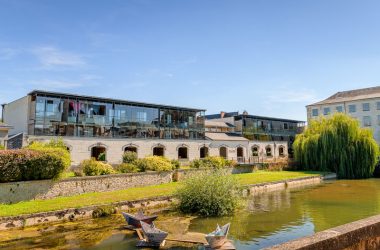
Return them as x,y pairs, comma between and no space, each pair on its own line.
358,235
12,192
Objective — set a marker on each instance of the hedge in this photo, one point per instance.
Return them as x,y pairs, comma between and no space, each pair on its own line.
26,164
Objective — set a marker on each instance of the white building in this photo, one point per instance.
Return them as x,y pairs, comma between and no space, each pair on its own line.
362,104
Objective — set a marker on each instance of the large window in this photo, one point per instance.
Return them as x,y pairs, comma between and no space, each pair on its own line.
366,121
366,106
352,108
339,109
89,118
315,112
326,111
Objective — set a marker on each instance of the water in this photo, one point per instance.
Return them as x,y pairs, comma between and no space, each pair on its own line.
268,219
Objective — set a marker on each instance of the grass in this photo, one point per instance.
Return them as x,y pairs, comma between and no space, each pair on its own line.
77,201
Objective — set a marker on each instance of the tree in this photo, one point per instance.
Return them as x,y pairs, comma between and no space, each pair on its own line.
337,144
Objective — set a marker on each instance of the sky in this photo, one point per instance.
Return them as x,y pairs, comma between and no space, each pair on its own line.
267,57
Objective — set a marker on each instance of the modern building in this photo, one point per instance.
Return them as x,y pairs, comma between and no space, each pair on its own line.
362,104
92,125
259,128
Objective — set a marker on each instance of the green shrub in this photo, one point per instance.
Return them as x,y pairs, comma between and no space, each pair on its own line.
56,147
127,168
176,164
129,157
154,163
2,147
211,162
337,144
214,194
103,211
231,163
26,164
102,157
93,167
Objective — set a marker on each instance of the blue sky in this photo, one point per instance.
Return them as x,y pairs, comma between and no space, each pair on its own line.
267,57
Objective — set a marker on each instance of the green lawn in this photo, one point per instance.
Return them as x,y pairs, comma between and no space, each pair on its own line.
77,201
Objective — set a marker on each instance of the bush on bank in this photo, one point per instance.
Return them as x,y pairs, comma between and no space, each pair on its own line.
216,162
129,157
92,167
206,194
337,144
54,146
26,164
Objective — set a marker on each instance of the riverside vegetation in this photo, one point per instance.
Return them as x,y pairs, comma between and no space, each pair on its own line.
339,145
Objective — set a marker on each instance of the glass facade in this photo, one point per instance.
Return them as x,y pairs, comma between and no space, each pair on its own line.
256,128
75,116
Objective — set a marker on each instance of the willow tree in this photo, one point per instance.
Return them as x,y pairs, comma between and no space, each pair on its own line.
337,144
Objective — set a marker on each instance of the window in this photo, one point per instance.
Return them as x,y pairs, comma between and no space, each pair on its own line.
315,112
281,151
366,106
223,152
378,105
352,108
326,111
268,151
339,109
182,153
255,151
366,121
285,126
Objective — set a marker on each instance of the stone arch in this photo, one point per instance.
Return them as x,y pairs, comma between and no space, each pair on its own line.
130,147
183,151
158,149
281,151
223,151
99,151
203,151
255,150
268,151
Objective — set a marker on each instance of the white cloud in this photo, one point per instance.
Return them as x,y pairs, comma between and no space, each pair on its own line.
51,57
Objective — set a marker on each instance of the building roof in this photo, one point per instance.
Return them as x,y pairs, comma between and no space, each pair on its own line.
219,124
218,116
238,116
351,95
103,99
225,137
5,126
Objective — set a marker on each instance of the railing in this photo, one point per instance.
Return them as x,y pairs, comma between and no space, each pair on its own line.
15,141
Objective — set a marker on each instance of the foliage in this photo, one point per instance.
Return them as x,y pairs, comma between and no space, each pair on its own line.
56,147
93,167
337,144
129,157
154,163
102,157
103,211
214,194
127,168
176,164
26,164
2,147
212,162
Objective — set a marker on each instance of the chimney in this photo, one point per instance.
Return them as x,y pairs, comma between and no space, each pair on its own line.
222,113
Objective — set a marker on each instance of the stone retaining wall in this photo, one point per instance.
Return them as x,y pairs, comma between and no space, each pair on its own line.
86,212
12,192
358,235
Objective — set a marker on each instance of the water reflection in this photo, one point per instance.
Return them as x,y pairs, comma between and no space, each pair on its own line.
267,219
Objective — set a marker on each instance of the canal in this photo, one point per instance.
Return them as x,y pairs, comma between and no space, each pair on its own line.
264,220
